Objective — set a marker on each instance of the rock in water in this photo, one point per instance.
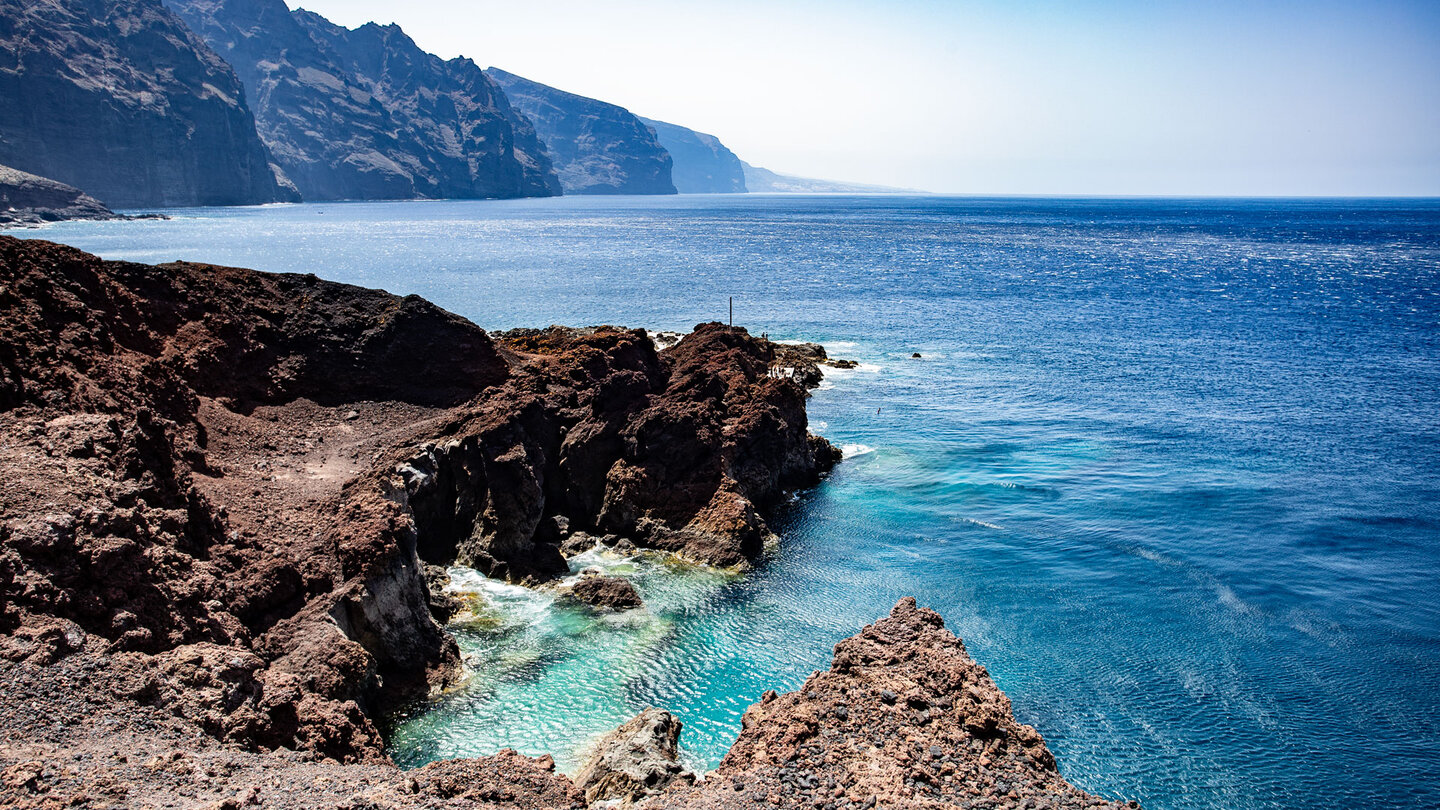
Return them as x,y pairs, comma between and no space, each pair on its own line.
903,719
367,114
613,593
122,100
638,758
27,199
597,148
703,165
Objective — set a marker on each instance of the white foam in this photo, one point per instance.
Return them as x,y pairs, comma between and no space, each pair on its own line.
855,449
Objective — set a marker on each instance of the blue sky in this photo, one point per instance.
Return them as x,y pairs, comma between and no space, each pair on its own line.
1264,98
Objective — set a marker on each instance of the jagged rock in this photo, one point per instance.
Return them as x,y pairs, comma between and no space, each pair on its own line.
27,199
638,758
596,148
903,719
611,593
702,164
366,114
122,100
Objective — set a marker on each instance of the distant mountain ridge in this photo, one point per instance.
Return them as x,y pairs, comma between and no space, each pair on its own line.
596,147
765,181
366,113
121,100
703,165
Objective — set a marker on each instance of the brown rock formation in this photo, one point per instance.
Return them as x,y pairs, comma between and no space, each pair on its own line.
214,472
904,718
223,488
611,593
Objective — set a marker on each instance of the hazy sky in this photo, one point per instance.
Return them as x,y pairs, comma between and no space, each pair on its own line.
1200,97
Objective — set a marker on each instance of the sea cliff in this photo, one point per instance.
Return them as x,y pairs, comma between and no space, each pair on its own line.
367,114
596,147
121,100
226,488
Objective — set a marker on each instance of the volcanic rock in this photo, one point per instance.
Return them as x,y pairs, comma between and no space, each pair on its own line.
702,164
122,100
945,737
611,593
27,199
597,148
638,758
367,114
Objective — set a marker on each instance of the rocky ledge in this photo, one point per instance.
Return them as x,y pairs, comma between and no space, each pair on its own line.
226,491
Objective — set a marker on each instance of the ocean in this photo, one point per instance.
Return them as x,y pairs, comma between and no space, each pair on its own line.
1170,467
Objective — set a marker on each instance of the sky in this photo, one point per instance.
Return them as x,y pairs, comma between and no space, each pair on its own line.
1206,97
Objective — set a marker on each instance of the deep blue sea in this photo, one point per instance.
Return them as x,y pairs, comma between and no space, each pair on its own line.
1170,467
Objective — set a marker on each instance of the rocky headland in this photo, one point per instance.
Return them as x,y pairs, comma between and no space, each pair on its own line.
228,492
122,100
28,199
703,165
596,147
367,114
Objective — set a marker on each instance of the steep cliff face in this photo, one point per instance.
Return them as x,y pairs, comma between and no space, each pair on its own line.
367,114
27,199
597,148
122,100
703,165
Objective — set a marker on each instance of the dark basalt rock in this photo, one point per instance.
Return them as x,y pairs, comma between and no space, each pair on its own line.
683,450
611,593
27,199
597,148
703,165
366,114
122,100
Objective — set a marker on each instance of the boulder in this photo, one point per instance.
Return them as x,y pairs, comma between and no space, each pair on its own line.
610,593
635,760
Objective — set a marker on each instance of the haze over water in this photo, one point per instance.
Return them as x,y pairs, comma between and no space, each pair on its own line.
1170,468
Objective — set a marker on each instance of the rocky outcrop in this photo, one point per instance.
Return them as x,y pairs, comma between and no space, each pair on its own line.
207,459
367,114
635,760
27,199
608,593
903,719
597,148
801,362
703,165
683,450
122,100
223,488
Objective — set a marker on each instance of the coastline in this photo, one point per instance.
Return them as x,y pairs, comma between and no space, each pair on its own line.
286,422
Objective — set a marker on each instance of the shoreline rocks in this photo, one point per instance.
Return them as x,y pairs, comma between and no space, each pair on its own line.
229,493
640,758
609,593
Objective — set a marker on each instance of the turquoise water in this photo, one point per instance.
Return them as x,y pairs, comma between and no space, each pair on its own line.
1171,468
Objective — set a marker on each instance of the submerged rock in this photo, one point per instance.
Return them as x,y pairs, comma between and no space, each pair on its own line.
612,593
638,758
